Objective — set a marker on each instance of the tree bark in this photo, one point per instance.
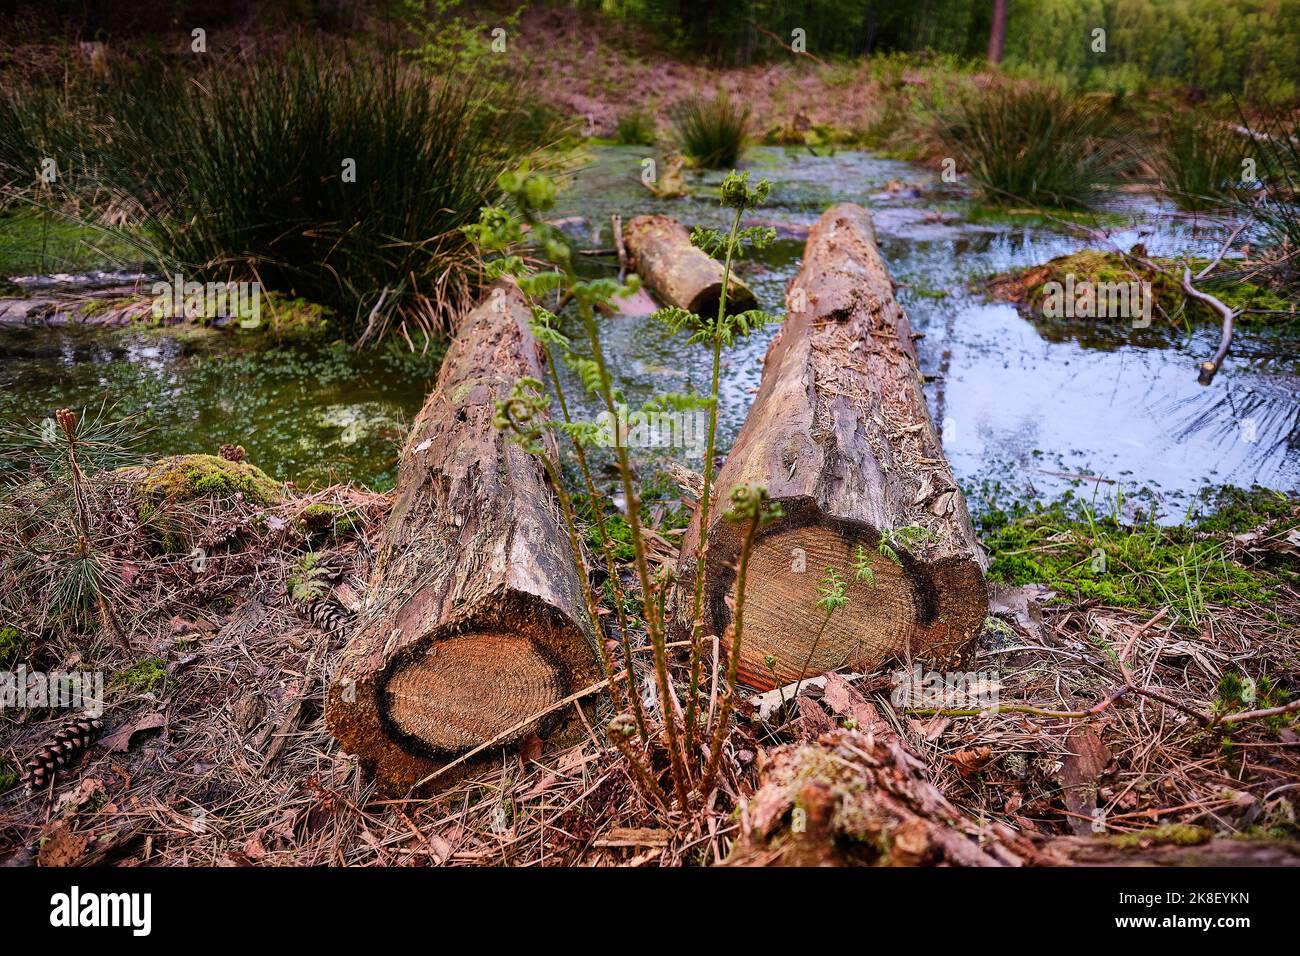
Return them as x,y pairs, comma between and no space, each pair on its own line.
476,620
998,31
861,797
840,435
677,272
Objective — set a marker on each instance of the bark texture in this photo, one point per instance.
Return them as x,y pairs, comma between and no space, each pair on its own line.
476,619
677,272
840,435
862,797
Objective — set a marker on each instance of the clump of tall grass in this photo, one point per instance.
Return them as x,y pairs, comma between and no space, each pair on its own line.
1036,144
1199,161
635,128
711,132
1272,140
342,181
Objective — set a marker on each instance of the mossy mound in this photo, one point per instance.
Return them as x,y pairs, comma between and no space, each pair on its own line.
1027,287
1084,555
186,477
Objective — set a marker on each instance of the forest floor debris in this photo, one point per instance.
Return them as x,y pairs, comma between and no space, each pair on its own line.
214,749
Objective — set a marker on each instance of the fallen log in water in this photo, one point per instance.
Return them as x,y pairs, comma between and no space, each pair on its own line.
107,308
678,273
840,435
476,619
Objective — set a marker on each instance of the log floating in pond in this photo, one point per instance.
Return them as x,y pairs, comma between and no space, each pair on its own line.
476,619
840,435
678,273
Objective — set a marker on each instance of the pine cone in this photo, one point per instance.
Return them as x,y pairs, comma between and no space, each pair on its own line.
326,615
66,745
231,452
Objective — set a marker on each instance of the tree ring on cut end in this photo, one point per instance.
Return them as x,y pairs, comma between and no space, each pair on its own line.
459,692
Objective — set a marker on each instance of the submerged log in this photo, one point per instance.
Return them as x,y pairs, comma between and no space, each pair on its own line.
678,273
840,435
476,620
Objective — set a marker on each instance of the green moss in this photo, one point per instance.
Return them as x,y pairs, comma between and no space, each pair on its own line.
1028,286
141,677
1167,834
8,779
1085,556
1238,692
1234,510
186,477
294,316
11,644
329,521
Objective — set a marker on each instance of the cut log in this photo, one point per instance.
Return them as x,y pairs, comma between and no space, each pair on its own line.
862,798
476,619
840,435
677,272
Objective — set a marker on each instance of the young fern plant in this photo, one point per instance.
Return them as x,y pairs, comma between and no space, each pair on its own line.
523,413
754,508
500,233
717,331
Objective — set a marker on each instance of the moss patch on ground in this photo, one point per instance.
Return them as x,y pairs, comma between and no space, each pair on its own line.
186,477
1027,287
1083,555
1167,834
141,677
11,644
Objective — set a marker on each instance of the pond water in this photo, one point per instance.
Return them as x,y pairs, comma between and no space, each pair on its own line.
310,413
1027,407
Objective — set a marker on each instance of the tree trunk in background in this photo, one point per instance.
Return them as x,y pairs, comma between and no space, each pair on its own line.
840,435
998,31
678,273
476,619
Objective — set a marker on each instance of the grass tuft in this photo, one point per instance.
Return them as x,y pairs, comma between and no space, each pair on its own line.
1035,144
711,133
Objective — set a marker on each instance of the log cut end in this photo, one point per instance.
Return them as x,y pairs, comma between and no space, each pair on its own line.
899,603
677,272
470,688
485,681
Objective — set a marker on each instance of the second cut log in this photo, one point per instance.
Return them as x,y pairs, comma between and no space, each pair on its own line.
840,435
476,620
678,273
